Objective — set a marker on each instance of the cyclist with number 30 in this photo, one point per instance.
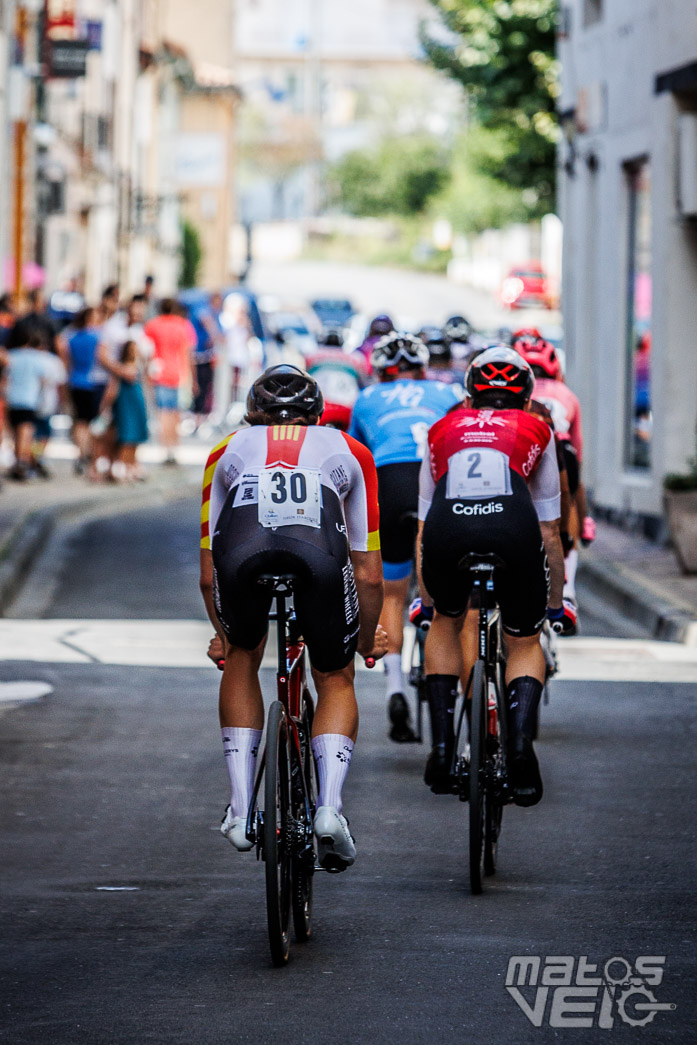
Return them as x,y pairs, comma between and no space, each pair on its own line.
284,495
392,419
490,485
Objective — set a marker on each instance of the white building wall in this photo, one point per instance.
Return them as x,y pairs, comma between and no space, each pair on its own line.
609,78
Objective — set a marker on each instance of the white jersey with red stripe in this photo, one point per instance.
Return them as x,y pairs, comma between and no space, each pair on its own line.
260,463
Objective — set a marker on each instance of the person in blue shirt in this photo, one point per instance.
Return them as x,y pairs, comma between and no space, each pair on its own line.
392,419
209,336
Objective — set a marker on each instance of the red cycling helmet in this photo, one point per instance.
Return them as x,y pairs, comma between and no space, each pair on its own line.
500,376
531,332
540,354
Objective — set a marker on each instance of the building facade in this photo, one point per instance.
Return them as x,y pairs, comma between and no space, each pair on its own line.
103,191
628,200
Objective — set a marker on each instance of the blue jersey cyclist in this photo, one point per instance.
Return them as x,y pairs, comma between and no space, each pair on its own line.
392,419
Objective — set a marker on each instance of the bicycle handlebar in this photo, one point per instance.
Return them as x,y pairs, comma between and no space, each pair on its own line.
370,662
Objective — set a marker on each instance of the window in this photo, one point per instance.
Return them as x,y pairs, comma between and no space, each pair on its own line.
639,420
592,11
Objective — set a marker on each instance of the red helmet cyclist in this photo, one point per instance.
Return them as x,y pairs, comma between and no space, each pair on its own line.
499,377
541,355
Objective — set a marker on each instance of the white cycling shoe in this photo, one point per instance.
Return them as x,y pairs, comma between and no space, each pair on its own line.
335,846
234,828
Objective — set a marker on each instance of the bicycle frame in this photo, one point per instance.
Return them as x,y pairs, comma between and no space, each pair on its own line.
290,684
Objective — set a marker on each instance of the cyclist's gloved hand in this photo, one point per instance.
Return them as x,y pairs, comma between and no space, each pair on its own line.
564,620
420,615
588,531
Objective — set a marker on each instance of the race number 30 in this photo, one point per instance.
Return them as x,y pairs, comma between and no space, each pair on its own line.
289,497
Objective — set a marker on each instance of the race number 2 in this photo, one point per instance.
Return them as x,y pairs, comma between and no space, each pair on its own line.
478,472
289,497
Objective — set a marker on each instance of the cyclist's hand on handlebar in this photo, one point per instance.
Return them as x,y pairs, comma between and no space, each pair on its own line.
216,649
378,647
419,615
564,620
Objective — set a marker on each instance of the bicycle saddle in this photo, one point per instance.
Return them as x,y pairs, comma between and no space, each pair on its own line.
480,561
277,581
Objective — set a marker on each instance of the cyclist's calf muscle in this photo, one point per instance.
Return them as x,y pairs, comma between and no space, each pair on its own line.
555,558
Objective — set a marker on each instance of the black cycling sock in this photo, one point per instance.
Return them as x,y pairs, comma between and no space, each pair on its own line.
524,695
442,695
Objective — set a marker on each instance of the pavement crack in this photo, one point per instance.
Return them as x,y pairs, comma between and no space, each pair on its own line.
64,641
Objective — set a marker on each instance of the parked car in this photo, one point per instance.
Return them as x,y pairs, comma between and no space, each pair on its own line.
527,286
333,312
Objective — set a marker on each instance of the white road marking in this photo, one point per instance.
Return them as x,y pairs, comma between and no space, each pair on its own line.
15,692
183,644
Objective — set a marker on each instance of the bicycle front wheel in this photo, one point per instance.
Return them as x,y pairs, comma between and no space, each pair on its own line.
477,803
277,833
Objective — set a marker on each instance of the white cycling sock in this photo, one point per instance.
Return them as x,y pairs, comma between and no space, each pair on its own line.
241,747
394,679
571,566
332,753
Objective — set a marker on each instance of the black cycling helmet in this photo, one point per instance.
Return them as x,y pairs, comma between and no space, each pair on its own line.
286,392
499,377
331,338
397,352
380,326
457,328
437,344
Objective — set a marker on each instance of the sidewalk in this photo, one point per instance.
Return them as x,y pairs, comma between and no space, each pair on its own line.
643,581
29,512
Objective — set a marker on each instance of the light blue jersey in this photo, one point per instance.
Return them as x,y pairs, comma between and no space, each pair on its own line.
393,419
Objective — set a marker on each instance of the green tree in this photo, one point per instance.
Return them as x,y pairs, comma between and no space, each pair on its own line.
475,200
503,54
191,254
397,177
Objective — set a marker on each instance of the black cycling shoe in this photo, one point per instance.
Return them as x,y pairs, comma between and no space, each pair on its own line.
437,774
524,773
400,728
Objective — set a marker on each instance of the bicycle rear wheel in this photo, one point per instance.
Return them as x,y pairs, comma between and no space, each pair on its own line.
303,868
277,833
477,801
495,770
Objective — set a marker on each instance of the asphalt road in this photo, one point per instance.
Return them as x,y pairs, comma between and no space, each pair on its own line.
126,918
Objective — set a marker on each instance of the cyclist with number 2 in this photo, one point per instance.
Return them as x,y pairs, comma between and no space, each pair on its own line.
392,419
490,484
283,495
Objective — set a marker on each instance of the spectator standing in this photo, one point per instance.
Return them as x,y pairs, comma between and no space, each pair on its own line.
29,368
37,322
238,331
209,338
114,323
7,318
87,380
174,340
149,298
130,413
49,402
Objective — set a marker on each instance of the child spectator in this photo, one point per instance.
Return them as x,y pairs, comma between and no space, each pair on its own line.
129,413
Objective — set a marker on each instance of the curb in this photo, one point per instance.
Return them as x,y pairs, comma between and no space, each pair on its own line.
31,533
664,619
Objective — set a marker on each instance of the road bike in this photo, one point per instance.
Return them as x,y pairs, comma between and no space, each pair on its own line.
417,679
479,767
282,830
